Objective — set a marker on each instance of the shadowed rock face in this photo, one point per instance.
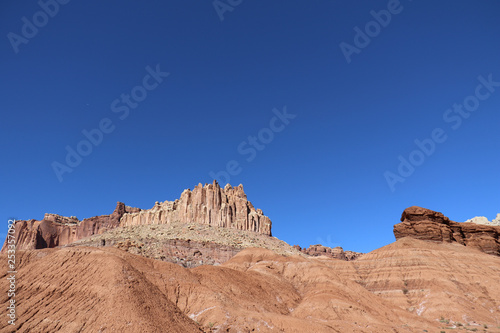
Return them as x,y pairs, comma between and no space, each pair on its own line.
210,204
425,224
55,230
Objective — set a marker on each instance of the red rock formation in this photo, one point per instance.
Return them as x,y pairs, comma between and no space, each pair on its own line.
425,224
336,252
210,204
55,230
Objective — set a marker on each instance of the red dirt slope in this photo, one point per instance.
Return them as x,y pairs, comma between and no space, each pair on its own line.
407,286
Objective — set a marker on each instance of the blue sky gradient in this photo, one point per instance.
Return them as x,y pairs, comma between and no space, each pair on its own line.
320,175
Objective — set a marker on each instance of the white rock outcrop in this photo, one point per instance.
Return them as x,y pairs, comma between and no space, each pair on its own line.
484,220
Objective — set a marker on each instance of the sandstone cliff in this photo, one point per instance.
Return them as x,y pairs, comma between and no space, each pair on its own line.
425,224
55,230
210,204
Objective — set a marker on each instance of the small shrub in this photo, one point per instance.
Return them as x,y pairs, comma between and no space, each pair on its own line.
405,291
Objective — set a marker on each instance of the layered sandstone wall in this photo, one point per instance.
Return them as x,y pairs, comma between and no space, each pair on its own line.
425,224
56,230
210,204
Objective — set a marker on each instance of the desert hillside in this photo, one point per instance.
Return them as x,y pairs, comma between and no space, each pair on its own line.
408,286
207,263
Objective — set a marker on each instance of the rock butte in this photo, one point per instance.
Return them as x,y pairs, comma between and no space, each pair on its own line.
185,241
210,204
428,225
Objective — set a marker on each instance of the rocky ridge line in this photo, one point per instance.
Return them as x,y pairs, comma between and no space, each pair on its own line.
336,252
212,205
426,224
226,207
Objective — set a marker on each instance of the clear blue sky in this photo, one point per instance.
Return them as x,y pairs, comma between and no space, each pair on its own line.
321,176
